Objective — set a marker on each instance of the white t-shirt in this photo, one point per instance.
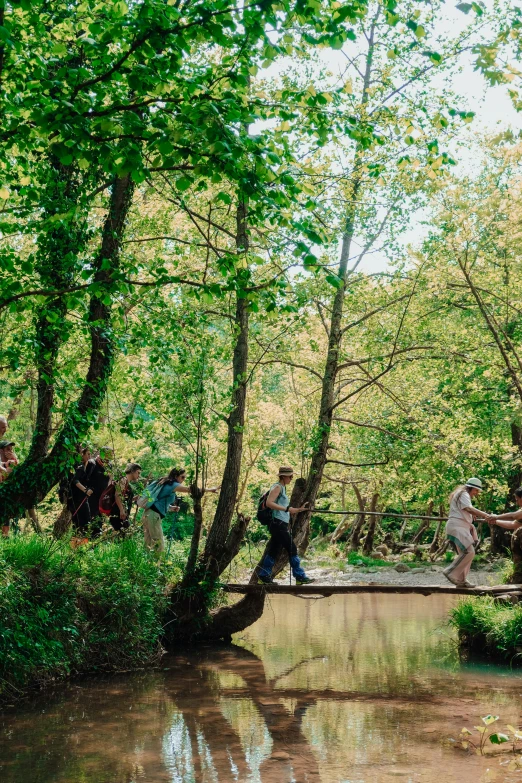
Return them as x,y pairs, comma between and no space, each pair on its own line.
458,503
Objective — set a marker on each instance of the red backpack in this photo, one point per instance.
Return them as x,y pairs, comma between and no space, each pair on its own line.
107,499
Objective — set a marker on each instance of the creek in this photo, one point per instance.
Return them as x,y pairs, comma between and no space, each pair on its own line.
349,689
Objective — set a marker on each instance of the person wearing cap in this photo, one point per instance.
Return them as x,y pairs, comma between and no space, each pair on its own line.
279,529
513,519
461,531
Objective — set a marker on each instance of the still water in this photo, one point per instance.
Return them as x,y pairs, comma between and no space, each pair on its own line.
350,689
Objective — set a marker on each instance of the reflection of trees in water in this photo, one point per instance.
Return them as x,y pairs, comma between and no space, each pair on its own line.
212,717
366,647
287,755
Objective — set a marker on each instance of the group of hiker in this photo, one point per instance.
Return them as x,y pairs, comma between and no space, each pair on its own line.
92,494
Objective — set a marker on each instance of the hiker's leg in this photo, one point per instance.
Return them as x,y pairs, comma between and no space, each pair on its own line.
268,562
287,542
459,569
153,531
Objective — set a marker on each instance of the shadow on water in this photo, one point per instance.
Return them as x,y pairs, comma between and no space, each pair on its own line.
353,690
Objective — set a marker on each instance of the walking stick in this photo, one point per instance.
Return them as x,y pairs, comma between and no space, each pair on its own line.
291,547
81,504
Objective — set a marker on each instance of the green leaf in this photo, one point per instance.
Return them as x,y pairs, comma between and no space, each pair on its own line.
183,183
59,49
334,280
120,8
464,7
498,739
138,176
489,719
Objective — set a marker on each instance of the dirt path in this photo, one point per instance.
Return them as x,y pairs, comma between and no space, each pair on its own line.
422,575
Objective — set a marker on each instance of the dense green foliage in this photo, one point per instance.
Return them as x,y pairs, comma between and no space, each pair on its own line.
487,626
189,192
64,612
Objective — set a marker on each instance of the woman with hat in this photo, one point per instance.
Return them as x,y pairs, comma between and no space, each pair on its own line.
279,528
461,531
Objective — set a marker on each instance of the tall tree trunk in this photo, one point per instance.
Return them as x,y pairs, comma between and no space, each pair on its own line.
34,478
215,547
189,608
59,244
301,525
242,614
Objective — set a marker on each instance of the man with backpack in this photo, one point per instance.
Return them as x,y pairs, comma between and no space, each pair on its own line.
119,515
274,511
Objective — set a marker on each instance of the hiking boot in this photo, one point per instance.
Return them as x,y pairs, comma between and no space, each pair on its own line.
465,583
304,580
265,580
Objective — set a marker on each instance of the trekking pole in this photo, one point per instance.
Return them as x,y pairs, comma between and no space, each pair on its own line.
291,547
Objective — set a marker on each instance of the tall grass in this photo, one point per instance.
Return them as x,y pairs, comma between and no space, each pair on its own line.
65,611
489,627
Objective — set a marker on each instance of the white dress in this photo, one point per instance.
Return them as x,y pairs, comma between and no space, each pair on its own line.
460,527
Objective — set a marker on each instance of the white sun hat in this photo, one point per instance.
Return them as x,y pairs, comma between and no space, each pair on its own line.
476,483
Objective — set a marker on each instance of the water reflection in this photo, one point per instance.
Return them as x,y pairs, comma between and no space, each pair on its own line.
346,690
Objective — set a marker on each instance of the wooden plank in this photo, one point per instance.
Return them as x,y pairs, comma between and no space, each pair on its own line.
327,590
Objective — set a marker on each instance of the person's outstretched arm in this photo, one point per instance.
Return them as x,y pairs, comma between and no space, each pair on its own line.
510,521
476,512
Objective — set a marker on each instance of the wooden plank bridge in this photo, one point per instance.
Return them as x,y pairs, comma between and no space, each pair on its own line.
326,590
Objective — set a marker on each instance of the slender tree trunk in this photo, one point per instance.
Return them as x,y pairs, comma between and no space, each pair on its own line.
242,614
404,525
516,552
372,522
436,538
35,477
196,494
355,538
424,526
63,522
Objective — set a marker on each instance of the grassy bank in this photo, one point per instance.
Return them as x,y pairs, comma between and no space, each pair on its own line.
65,611
488,627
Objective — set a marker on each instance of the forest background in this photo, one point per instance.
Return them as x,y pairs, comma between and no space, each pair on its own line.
189,192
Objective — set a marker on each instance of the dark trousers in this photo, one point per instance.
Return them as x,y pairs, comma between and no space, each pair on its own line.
119,524
81,513
280,536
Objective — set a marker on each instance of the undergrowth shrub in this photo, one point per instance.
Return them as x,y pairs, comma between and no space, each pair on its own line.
489,627
65,611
